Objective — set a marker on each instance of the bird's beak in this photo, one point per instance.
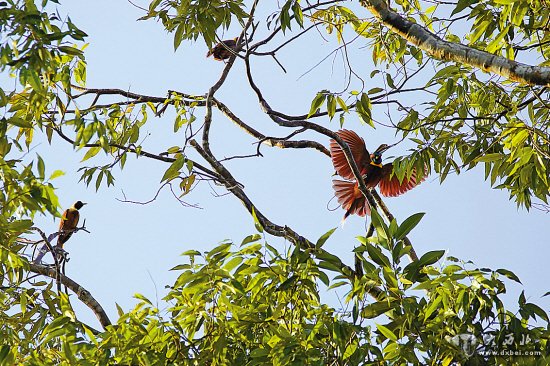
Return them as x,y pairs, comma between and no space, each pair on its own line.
84,203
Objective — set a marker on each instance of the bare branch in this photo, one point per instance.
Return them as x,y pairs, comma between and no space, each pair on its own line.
271,141
83,295
51,250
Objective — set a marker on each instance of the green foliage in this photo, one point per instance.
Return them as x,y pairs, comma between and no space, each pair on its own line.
470,119
253,303
190,20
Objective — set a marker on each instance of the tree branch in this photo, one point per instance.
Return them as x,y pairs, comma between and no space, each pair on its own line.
140,152
412,253
276,230
82,294
219,83
271,141
312,126
457,52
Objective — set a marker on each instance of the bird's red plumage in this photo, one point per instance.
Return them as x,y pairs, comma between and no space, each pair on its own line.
358,151
347,192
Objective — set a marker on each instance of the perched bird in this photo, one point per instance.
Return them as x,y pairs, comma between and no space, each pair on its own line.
68,223
371,169
223,50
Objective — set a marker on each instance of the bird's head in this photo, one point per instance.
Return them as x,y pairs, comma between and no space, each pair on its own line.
78,204
376,156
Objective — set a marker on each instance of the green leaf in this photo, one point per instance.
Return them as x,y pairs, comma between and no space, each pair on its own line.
386,332
433,306
342,104
373,310
178,36
288,283
381,228
497,42
376,255
407,225
234,262
98,180
461,5
430,257
375,90
173,170
19,122
257,223
321,241
250,239
297,10
143,298
350,350
20,226
389,79
489,157
191,253
535,309
41,167
71,50
317,103
511,275
331,106
56,174
259,352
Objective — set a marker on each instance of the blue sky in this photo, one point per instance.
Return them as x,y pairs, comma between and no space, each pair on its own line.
132,247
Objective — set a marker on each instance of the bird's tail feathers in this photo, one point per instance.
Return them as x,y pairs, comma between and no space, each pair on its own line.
351,199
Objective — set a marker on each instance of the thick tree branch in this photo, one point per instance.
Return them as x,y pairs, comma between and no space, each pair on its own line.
82,294
450,51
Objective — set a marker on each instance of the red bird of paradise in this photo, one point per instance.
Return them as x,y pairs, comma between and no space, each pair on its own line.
223,50
371,169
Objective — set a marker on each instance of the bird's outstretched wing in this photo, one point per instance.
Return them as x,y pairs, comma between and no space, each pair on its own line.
358,150
390,185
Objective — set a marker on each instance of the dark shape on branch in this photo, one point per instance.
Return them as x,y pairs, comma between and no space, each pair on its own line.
372,171
223,50
69,222
67,227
